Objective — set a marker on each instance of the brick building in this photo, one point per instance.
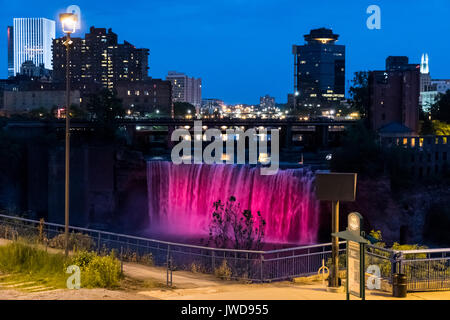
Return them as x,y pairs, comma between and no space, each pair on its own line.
394,95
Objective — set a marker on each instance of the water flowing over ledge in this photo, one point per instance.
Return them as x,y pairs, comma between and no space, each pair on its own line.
181,199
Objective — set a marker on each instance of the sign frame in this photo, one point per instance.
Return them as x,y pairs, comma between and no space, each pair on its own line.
355,238
361,293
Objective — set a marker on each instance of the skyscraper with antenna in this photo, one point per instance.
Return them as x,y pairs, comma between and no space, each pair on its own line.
427,94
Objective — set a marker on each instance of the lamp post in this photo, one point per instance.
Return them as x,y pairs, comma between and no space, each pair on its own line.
68,22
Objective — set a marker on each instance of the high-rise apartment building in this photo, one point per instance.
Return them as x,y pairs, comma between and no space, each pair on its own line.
10,33
100,59
186,89
32,39
267,102
319,70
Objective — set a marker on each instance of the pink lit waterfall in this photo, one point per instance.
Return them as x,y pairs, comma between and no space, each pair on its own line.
181,199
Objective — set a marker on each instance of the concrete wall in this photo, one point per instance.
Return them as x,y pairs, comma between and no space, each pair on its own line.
24,101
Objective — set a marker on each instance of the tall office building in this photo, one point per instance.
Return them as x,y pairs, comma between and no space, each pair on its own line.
10,33
319,69
33,42
100,59
185,89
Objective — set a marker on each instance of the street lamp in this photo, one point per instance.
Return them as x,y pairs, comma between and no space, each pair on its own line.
69,24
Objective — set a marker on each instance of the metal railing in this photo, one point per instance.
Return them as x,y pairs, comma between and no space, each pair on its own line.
252,265
426,270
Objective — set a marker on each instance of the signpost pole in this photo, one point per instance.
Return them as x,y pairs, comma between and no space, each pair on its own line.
335,245
355,283
362,271
347,275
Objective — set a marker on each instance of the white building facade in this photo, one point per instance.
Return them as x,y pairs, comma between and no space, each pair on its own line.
33,39
186,89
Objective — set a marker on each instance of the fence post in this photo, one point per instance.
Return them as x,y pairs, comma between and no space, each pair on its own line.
168,264
98,243
213,260
293,266
121,259
261,266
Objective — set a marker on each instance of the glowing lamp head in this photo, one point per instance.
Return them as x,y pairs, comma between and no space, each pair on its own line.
68,22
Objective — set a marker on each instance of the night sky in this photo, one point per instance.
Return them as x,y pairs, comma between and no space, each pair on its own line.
242,48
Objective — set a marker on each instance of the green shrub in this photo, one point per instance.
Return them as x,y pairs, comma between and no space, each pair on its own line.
197,267
82,258
77,241
98,271
224,271
133,256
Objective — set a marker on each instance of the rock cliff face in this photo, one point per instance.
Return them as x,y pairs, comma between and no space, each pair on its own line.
130,190
400,216
108,187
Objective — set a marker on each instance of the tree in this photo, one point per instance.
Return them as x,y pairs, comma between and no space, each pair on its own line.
232,228
359,93
76,112
104,107
181,109
441,109
426,127
40,113
359,152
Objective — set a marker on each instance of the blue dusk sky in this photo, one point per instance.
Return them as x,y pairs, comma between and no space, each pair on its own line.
242,49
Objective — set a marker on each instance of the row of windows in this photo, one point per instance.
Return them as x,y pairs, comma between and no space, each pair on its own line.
437,157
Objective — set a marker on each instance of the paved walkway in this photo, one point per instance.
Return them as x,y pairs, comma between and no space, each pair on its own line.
195,286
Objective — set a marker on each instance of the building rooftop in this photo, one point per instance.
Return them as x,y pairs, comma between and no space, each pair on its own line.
394,128
322,35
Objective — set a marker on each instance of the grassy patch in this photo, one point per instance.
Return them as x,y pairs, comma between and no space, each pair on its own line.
32,264
23,262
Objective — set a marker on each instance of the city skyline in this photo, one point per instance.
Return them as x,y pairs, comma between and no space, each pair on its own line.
235,58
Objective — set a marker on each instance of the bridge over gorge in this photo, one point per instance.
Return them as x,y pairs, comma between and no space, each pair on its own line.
315,132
